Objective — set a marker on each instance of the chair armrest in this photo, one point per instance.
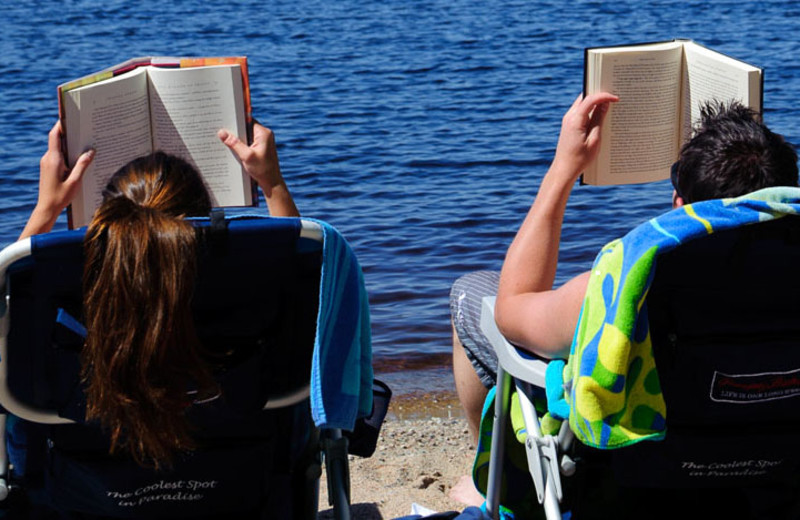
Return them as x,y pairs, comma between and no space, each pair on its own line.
542,451
517,362
311,230
290,398
9,255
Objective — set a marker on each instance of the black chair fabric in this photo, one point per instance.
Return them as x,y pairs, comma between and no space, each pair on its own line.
255,309
725,327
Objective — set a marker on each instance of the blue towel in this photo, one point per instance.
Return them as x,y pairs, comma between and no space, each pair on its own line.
341,370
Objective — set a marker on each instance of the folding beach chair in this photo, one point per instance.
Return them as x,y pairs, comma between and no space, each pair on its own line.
256,306
718,416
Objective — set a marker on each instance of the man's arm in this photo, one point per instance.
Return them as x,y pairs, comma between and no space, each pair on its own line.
529,312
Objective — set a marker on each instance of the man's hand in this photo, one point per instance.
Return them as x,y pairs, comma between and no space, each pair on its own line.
579,141
57,184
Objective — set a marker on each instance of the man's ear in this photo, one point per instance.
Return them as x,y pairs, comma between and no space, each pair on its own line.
677,201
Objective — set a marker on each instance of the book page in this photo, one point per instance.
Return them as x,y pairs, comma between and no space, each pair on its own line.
714,76
112,117
640,132
188,106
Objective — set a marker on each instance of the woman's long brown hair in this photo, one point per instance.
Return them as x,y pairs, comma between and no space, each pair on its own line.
142,353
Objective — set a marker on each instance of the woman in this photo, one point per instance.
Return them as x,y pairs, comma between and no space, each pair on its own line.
140,262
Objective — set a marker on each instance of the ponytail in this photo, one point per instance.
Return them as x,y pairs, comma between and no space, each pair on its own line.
142,353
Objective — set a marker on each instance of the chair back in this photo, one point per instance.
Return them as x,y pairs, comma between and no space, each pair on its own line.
725,327
255,308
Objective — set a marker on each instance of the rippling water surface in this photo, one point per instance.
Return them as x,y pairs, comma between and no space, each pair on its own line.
419,129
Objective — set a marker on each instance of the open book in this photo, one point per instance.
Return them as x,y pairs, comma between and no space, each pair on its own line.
175,105
661,87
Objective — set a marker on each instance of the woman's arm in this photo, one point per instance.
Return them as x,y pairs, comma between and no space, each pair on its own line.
57,184
529,312
260,161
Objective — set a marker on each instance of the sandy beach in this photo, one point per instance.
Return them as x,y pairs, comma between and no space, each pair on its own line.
423,449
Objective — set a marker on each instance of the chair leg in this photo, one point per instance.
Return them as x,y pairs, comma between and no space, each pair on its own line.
542,456
338,472
305,479
3,459
501,410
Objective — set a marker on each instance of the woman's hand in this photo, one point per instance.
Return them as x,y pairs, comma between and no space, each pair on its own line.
57,184
260,161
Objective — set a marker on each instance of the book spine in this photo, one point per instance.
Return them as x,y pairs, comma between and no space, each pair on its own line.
127,67
585,73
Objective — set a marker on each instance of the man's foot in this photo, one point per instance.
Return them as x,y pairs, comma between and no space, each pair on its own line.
464,492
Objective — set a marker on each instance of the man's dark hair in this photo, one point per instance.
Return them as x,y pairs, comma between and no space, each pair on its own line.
732,153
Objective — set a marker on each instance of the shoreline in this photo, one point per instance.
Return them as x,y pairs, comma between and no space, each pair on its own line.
427,405
420,390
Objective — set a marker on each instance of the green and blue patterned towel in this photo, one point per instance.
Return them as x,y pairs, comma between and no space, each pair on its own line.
611,382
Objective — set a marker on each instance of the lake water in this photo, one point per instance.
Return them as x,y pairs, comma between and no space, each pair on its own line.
421,130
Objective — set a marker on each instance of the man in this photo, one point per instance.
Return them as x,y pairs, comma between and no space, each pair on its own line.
731,154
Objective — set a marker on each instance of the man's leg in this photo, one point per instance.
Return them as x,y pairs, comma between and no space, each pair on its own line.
474,362
474,359
470,390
